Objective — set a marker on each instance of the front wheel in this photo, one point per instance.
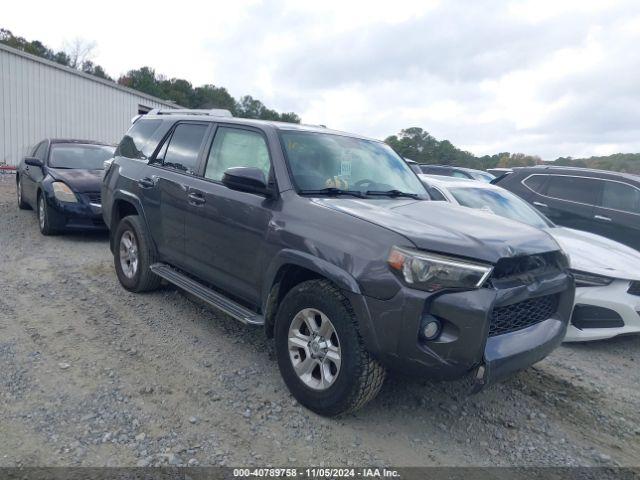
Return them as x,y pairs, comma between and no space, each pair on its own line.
22,205
45,216
134,255
320,353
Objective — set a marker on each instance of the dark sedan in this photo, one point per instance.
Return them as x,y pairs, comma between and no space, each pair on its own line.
61,180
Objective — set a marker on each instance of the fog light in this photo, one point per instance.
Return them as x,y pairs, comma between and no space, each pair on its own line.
430,328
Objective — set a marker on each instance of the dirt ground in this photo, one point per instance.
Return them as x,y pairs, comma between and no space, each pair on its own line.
93,375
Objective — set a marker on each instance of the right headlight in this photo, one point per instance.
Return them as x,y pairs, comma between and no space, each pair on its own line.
63,192
431,271
584,279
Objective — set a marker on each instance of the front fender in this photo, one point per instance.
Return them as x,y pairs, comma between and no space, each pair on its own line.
335,274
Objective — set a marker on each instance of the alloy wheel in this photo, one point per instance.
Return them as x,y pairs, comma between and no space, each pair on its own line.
128,254
314,349
42,212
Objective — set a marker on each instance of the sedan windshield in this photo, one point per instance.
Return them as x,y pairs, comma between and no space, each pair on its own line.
328,164
501,203
73,155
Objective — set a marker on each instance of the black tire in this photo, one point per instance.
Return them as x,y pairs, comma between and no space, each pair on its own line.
360,376
45,217
22,205
142,279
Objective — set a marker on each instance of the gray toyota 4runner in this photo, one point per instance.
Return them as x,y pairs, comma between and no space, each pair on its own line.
329,241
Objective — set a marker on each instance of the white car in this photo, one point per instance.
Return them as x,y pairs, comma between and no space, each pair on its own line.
607,273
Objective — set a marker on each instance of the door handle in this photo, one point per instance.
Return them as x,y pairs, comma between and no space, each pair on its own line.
196,198
540,204
146,182
600,217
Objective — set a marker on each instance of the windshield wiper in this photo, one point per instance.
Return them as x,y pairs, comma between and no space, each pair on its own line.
332,191
392,193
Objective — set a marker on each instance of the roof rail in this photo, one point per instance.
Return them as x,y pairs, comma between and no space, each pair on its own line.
213,112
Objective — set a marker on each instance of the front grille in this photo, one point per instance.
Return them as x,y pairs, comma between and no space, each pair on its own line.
634,288
94,197
522,315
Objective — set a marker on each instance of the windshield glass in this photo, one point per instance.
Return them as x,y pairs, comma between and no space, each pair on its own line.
482,176
501,203
72,155
320,160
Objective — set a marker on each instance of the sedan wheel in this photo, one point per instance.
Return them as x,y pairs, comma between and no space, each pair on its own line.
42,214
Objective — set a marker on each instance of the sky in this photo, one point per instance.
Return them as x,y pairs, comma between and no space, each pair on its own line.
547,78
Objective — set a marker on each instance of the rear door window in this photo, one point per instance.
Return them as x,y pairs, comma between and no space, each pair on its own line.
621,196
180,152
575,189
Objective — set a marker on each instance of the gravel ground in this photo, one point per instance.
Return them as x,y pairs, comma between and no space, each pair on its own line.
93,375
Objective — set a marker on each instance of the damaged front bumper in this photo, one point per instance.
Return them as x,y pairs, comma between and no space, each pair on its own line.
471,341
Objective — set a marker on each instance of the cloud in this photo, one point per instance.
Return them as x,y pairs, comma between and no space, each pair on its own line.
545,77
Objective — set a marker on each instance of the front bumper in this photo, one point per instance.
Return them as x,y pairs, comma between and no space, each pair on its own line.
390,330
612,298
86,214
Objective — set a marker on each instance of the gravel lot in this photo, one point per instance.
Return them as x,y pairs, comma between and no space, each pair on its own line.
93,375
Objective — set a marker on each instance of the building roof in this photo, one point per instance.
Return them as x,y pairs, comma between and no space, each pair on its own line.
87,76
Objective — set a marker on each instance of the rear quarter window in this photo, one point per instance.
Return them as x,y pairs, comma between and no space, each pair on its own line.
136,142
535,182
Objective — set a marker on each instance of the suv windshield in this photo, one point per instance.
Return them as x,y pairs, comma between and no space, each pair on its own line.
72,155
504,204
329,163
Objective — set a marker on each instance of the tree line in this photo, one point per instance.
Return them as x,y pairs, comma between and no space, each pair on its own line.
414,143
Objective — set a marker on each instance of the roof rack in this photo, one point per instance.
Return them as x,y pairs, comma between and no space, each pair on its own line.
213,112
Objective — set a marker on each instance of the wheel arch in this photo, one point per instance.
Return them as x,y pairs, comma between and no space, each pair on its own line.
290,268
123,206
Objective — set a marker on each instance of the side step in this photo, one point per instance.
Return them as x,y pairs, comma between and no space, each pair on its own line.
207,295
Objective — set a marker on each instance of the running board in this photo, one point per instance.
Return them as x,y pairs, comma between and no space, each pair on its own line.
207,295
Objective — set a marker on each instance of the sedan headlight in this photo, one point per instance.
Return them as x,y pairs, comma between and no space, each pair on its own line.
584,279
63,192
432,272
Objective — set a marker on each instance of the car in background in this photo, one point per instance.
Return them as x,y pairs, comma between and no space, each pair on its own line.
597,201
607,273
61,180
499,171
415,166
459,172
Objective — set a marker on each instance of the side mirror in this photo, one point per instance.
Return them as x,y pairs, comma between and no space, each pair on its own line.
246,179
34,162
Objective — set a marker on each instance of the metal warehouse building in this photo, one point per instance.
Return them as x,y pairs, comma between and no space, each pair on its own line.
40,99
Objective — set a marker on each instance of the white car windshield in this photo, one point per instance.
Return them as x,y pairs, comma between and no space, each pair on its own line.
501,203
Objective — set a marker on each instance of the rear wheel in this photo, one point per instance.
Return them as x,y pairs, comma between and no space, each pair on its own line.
134,255
320,353
22,205
45,217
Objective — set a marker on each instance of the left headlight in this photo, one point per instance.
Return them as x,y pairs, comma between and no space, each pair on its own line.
584,279
432,272
63,192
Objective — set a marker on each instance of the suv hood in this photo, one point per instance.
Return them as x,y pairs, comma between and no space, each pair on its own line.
79,180
446,228
593,253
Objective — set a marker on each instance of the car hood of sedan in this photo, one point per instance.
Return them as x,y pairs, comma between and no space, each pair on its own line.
593,253
450,229
79,180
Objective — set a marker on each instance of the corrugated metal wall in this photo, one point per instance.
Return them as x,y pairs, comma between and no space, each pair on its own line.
40,99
